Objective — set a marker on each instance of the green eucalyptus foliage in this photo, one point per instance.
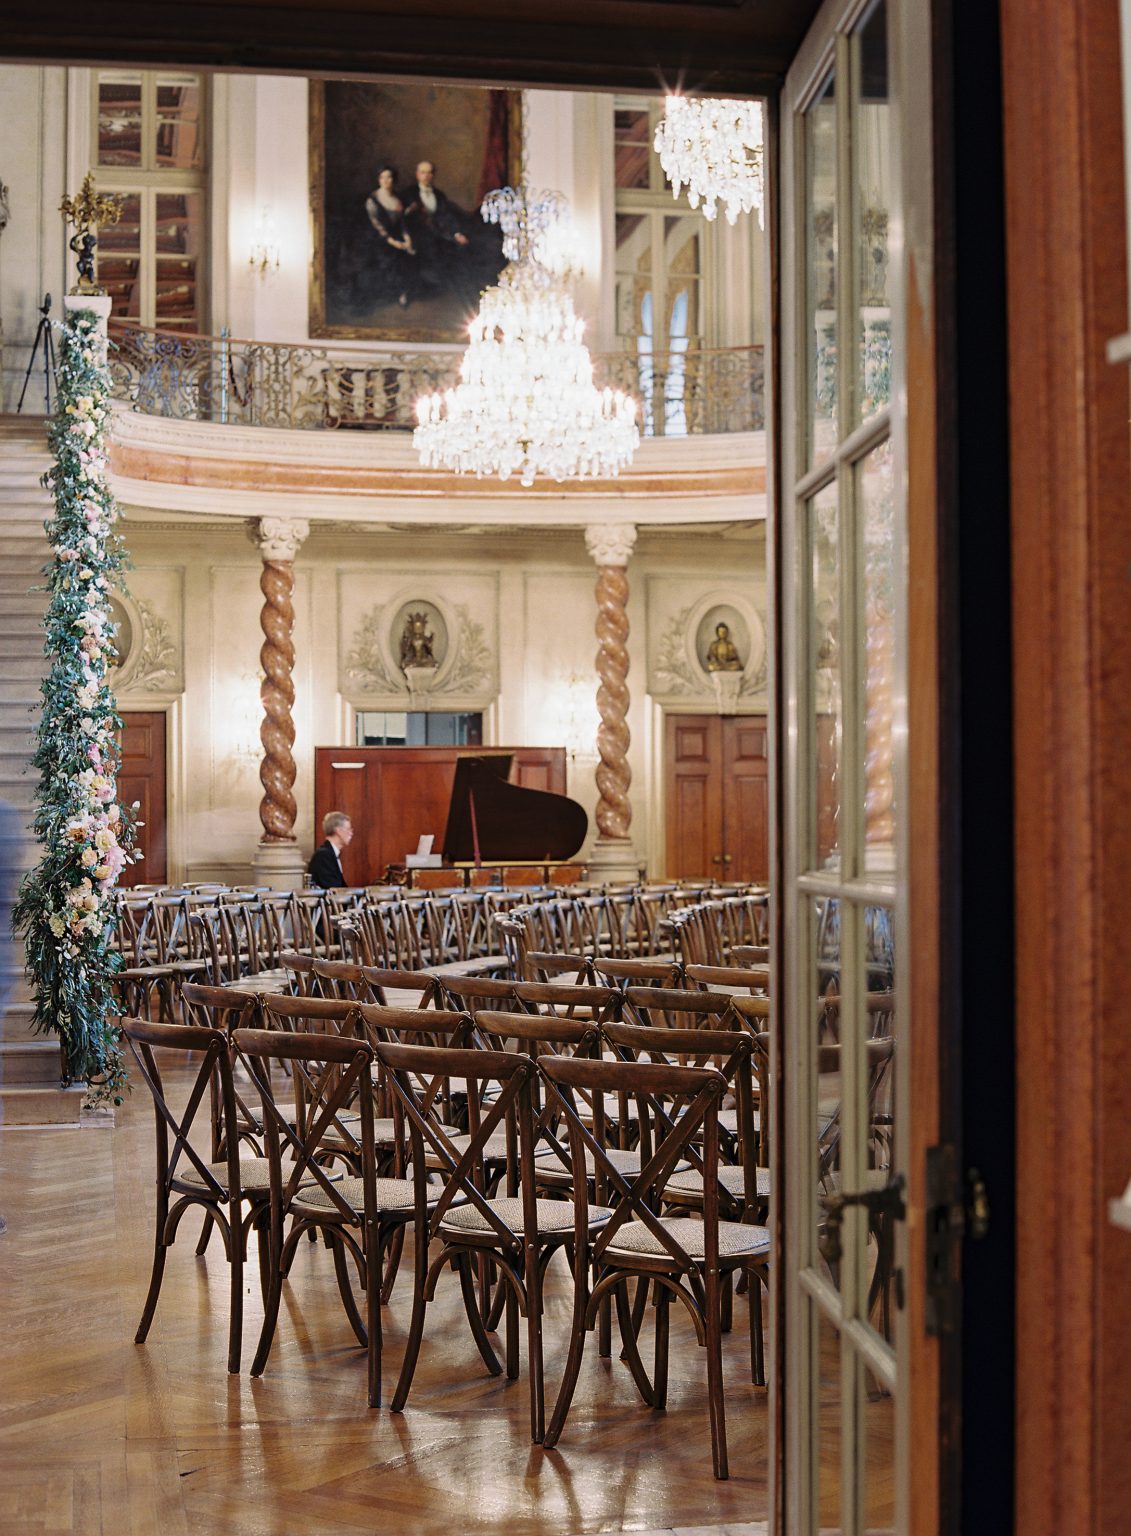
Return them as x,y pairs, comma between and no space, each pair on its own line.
66,905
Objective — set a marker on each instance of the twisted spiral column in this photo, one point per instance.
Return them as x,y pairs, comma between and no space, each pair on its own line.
278,540
610,545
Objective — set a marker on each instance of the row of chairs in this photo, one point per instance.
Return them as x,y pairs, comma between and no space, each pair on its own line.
502,1134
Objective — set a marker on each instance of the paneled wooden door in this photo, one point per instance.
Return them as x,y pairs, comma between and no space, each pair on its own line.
142,778
716,771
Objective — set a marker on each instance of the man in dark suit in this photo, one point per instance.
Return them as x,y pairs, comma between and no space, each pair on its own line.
325,868
441,233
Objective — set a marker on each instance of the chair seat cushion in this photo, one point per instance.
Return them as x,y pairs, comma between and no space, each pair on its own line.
494,1148
736,1240
730,1177
392,1195
255,1176
551,1216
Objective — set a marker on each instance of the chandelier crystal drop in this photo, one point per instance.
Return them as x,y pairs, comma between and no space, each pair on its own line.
526,403
713,146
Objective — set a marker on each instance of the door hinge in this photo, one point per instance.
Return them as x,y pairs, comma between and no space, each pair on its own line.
956,1208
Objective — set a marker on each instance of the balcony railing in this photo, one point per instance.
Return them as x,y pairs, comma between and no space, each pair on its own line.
275,384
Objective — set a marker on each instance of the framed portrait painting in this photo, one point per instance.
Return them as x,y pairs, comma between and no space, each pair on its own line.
397,176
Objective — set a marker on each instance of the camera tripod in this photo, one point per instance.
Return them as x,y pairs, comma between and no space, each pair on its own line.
42,336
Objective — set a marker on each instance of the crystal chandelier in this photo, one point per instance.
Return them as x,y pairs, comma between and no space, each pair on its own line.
526,403
714,146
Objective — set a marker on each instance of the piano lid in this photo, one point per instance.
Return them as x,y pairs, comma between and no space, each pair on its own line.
491,821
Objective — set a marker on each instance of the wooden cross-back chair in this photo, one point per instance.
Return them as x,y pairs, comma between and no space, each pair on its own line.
730,978
684,1258
627,972
341,979
517,1234
381,981
358,1213
545,966
186,1178
363,935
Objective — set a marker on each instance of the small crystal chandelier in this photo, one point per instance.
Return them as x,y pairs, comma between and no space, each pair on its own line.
526,403
715,147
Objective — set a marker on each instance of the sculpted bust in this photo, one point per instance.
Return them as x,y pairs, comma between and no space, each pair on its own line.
722,655
416,642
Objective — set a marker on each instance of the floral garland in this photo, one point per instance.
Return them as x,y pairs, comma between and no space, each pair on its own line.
66,906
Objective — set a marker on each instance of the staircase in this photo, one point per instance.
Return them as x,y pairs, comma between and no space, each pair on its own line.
30,1093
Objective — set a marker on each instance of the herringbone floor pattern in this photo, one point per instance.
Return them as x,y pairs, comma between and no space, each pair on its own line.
98,1435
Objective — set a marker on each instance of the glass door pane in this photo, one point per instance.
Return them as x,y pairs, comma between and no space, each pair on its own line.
840,682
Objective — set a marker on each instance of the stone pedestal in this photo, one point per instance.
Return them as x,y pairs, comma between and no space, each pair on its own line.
727,686
279,865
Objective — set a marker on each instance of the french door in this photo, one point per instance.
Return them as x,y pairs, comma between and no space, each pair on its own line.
845,1040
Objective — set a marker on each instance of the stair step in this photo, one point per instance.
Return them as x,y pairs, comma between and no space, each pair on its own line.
32,605
41,1106
34,1061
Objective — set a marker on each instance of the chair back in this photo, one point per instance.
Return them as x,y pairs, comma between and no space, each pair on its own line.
215,1066
330,1072
379,980
462,1169
634,1197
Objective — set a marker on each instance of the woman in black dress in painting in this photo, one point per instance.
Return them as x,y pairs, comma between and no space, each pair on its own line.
396,265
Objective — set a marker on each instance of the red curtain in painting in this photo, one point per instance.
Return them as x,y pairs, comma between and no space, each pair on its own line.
496,154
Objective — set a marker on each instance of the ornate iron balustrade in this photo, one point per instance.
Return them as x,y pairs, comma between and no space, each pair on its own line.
276,384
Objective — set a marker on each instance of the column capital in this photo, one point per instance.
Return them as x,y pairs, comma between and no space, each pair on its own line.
610,543
278,538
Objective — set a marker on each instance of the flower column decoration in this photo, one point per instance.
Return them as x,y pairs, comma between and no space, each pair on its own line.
610,545
66,903
278,540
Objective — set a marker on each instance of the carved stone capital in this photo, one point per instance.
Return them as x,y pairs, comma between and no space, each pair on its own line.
610,543
278,538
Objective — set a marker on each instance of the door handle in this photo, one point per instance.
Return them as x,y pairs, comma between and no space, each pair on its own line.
887,1200
718,859
727,859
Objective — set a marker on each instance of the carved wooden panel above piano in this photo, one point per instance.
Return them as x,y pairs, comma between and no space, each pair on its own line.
396,795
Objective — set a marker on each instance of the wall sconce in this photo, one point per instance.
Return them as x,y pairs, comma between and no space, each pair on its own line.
265,252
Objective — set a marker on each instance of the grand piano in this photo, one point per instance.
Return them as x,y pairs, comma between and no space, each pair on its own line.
486,807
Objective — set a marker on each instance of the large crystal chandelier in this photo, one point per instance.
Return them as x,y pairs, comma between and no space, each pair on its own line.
526,403
714,146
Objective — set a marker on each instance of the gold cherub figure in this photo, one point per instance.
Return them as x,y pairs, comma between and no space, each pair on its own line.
89,212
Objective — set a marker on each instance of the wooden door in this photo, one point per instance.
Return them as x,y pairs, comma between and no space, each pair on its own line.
745,794
142,778
693,769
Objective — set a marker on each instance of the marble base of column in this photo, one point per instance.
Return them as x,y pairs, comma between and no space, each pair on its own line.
279,865
613,860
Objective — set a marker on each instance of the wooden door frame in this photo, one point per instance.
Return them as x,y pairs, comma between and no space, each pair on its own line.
1071,549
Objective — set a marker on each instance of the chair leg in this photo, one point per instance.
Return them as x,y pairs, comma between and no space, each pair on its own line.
392,1263
630,1351
534,1363
713,1322
660,1373
158,1270
576,1351
474,1316
512,1331
277,1268
373,1308
345,1286
727,1288
205,1231
416,1324
757,1356
237,1240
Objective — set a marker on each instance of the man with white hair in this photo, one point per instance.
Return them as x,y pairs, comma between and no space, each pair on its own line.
325,868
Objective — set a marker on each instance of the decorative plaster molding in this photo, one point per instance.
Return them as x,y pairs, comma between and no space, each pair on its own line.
474,665
365,661
673,673
610,543
278,538
156,669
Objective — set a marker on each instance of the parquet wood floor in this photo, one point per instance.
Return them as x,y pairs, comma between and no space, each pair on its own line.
98,1435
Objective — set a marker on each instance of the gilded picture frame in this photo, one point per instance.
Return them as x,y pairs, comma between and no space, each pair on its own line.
414,275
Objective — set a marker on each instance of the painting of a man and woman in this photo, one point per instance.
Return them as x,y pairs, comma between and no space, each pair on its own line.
397,176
